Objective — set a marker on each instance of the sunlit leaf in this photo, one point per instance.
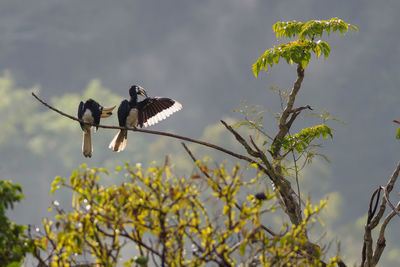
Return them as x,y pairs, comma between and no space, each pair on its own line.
398,133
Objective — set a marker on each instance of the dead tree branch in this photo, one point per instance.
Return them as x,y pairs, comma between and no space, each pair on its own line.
386,195
370,257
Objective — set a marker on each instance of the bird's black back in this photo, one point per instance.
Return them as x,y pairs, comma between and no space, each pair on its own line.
95,108
123,111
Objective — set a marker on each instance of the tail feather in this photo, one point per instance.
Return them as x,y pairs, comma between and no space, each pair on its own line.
87,144
119,141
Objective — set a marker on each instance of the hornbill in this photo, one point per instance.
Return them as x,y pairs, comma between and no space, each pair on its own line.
91,112
144,113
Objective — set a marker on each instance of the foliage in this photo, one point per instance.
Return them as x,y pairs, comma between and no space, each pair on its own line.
299,51
303,139
13,243
168,220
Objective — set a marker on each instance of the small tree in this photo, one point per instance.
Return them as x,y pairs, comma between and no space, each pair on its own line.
13,243
168,218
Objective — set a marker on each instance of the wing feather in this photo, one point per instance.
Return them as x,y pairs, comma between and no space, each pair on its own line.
156,109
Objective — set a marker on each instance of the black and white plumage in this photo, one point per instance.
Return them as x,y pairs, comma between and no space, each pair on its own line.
91,112
144,113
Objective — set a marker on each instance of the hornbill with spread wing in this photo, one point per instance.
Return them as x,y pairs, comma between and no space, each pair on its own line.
144,113
91,112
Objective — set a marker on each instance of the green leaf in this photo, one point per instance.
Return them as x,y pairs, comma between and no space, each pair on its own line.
287,29
353,27
242,248
304,63
325,48
141,260
256,68
275,58
14,264
317,49
56,184
398,133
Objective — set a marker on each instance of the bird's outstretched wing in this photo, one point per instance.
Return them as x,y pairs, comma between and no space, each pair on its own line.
153,110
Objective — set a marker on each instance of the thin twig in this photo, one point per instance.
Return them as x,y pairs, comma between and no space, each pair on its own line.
296,176
381,242
194,160
301,108
258,128
385,191
241,140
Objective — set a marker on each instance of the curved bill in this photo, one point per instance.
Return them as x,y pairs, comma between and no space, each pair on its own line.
142,91
107,112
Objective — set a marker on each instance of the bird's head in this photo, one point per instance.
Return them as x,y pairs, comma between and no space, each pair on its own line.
137,90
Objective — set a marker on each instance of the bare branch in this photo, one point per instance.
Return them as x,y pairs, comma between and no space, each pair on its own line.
239,156
283,124
381,242
139,242
241,140
388,200
194,159
371,257
297,110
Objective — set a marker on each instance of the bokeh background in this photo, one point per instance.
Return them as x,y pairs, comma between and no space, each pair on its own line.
199,53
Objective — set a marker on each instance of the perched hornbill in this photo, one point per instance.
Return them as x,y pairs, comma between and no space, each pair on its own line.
144,113
91,112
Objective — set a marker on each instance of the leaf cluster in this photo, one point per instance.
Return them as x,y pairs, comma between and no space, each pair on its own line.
299,51
310,29
303,139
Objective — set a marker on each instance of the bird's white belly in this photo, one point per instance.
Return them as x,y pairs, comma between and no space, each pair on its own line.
87,116
132,119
